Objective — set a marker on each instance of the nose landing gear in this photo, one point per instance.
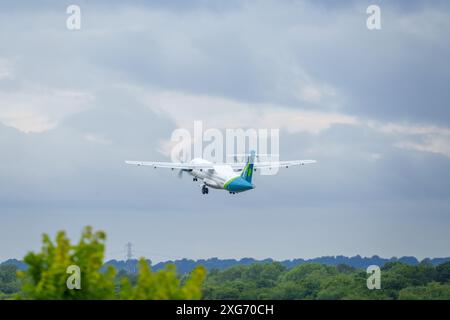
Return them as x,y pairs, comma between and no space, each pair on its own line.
205,190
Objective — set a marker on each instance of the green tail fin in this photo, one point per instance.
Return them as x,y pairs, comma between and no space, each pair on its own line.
247,172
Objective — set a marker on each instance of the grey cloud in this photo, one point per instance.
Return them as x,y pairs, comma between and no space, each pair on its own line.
266,52
361,187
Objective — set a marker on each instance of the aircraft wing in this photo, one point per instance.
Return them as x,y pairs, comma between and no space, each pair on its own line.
272,164
172,165
206,166
282,164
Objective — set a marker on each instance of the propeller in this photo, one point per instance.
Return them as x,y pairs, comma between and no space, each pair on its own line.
180,173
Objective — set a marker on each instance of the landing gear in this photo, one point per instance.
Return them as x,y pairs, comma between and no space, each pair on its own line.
205,190
194,179
231,192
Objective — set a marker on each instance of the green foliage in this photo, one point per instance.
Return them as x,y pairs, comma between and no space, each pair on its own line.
163,284
443,272
317,281
9,284
398,276
431,291
243,282
46,275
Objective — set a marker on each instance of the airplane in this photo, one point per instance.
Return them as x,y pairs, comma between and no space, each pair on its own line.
234,177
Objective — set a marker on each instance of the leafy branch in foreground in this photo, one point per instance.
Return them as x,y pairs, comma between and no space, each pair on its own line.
47,274
163,284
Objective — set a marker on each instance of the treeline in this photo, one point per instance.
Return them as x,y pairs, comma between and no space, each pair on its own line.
47,271
185,266
307,281
318,281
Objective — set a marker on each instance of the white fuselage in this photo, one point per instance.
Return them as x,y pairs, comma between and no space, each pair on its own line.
214,178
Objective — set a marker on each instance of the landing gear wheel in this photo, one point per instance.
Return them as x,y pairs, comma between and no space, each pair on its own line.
205,190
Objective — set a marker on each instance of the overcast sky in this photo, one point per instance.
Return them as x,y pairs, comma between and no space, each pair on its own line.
371,106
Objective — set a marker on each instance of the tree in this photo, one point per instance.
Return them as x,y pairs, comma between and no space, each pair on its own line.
163,284
46,276
432,291
318,281
8,281
309,269
443,272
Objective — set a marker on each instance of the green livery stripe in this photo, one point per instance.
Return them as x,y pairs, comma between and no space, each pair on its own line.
247,171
